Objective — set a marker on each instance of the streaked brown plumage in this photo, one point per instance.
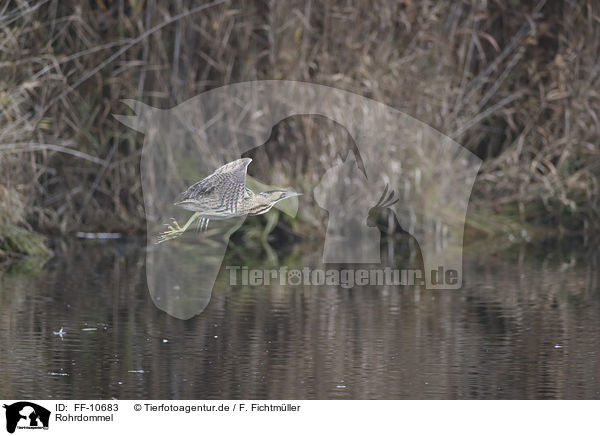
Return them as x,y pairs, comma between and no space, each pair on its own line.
223,195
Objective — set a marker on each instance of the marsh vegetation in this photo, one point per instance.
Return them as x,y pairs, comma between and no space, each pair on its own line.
514,82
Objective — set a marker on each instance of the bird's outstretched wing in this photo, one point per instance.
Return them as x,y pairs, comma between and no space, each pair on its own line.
226,184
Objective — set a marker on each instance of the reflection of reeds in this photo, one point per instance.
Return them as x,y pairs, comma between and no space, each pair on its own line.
514,331
519,92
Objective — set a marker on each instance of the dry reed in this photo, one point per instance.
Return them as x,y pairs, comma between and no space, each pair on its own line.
515,82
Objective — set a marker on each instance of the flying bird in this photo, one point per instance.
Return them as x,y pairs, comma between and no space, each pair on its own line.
223,195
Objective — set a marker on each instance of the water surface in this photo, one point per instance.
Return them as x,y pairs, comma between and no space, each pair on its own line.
525,325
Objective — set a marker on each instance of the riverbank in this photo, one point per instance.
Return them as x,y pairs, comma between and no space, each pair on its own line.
515,83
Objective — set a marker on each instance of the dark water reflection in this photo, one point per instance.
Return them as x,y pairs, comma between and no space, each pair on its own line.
525,325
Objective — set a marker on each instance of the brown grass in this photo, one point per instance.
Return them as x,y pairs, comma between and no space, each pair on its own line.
515,82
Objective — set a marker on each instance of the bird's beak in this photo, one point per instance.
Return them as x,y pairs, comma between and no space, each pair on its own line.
288,207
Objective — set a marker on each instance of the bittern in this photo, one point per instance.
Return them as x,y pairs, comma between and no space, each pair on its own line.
223,195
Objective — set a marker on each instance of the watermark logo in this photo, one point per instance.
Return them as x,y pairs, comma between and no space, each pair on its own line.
346,278
421,177
26,415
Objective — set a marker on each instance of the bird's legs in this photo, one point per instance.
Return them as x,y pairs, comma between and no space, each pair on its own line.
175,230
